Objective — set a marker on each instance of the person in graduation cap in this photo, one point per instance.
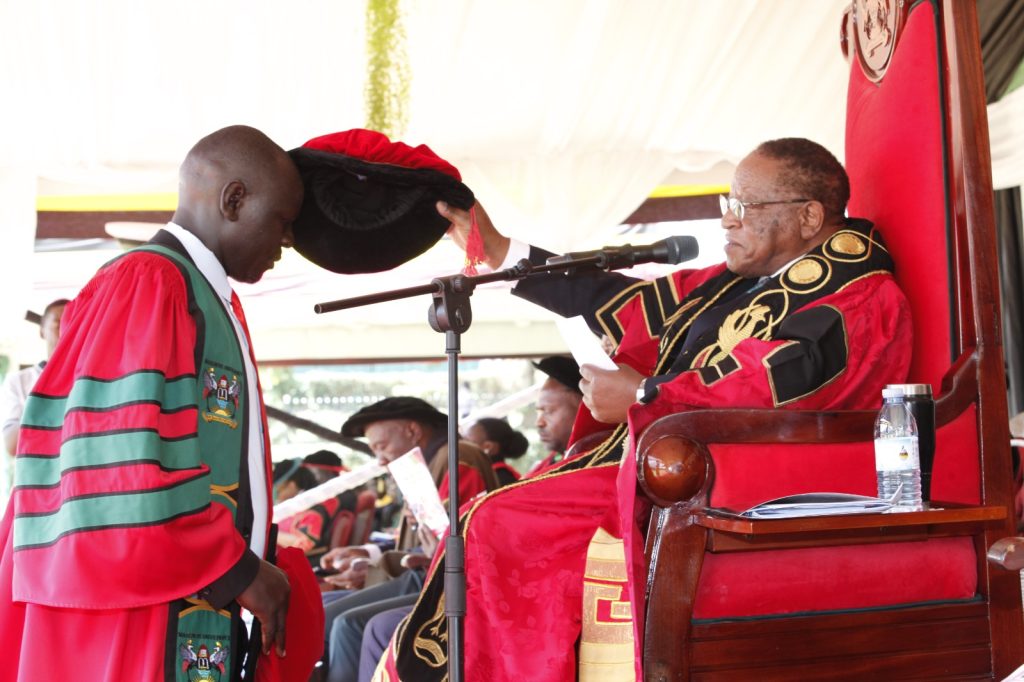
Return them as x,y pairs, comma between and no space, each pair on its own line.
557,404
392,427
803,313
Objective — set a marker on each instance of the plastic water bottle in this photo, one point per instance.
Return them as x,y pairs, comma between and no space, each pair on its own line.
897,461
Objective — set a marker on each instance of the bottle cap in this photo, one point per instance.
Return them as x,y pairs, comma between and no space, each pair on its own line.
893,391
914,389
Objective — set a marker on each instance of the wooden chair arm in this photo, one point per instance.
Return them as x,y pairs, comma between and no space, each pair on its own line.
672,460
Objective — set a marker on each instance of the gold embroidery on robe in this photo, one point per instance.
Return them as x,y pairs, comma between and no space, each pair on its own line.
606,644
431,642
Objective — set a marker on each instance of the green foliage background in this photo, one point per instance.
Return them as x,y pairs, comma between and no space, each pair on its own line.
387,82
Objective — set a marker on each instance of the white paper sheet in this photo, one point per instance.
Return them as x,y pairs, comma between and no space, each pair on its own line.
583,343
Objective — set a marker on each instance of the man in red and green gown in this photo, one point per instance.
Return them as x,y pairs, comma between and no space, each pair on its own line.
139,527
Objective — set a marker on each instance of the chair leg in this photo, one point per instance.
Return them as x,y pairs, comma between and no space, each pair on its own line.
676,556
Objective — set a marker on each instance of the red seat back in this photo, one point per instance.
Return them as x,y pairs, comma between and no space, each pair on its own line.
363,524
341,528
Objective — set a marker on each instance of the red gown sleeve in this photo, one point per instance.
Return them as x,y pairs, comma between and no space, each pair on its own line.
113,504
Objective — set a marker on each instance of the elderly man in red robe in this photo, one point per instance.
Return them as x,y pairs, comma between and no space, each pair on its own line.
804,313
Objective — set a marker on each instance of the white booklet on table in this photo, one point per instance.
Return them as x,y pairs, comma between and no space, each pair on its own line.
417,485
819,504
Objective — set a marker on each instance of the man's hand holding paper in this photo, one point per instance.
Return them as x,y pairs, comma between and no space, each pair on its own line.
608,394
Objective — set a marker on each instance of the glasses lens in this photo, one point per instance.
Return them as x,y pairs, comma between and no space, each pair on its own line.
731,204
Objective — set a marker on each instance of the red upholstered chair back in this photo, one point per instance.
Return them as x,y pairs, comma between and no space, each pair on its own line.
363,525
341,528
896,162
899,157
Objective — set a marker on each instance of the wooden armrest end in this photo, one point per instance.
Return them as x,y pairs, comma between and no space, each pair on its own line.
1008,553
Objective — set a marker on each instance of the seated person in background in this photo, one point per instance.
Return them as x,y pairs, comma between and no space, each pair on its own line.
557,405
803,314
308,530
499,441
326,465
16,387
290,479
393,427
388,511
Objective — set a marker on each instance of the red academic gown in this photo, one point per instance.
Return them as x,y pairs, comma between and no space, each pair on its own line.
525,580
137,526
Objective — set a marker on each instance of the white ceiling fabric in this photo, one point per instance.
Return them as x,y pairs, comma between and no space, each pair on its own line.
562,116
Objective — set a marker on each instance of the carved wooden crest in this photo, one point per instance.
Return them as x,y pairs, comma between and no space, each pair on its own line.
872,27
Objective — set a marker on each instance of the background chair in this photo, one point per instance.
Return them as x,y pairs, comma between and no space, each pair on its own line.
908,596
362,524
341,528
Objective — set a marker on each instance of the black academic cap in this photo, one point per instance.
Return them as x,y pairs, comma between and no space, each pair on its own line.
562,369
402,407
370,203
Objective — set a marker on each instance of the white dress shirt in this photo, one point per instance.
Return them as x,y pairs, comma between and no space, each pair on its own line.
214,273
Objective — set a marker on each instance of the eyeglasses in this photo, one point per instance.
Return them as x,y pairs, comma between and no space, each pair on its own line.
738,207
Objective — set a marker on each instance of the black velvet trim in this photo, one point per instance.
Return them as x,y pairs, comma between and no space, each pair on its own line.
818,355
222,591
710,375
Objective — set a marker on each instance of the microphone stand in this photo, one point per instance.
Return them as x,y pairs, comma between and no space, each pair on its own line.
451,313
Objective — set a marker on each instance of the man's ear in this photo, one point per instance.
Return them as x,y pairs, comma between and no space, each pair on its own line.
232,196
812,219
415,432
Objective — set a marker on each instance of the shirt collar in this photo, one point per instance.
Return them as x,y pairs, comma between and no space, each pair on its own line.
204,259
786,266
434,445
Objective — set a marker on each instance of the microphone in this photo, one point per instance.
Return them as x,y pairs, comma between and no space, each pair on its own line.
671,250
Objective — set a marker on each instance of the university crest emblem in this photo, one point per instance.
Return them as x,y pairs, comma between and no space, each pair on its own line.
221,396
202,664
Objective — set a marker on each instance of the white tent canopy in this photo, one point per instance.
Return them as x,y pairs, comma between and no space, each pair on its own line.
561,116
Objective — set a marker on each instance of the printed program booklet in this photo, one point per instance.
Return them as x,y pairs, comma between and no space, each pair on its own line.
417,485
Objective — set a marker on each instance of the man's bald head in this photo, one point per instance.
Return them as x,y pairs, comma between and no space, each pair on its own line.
235,151
239,192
